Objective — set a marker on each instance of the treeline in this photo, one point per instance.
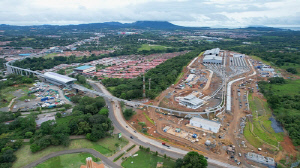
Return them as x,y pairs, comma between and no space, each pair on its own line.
286,107
41,63
86,120
37,42
12,135
161,77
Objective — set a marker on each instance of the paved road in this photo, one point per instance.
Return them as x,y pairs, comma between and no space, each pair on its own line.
139,139
91,151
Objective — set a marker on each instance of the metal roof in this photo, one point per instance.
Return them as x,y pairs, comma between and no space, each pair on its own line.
192,99
206,122
212,57
59,77
83,67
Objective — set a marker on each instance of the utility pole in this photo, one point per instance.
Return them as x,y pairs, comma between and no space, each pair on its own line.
149,83
144,87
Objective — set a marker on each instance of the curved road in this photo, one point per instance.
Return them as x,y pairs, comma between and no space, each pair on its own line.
139,139
91,151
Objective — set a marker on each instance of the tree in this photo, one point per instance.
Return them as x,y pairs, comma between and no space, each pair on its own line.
192,160
67,106
104,111
292,70
58,115
61,71
128,113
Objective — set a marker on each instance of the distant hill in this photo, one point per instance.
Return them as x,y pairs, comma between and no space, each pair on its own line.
164,25
161,25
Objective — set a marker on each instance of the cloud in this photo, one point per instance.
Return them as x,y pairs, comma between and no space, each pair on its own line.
183,12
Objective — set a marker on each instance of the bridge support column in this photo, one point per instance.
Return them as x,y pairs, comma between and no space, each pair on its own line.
207,115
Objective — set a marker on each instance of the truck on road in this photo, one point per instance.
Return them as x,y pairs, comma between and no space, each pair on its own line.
164,144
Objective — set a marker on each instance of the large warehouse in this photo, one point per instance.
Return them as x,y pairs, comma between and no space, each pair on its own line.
85,69
191,101
206,124
58,79
212,59
214,51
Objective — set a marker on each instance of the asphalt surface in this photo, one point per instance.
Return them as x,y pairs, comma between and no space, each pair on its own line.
91,151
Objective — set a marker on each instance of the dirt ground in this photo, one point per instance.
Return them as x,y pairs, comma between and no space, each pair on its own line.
288,146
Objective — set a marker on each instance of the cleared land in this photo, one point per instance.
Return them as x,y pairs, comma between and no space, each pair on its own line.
146,160
67,161
260,130
7,94
105,146
151,47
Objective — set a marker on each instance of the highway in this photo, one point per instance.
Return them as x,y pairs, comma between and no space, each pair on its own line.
119,123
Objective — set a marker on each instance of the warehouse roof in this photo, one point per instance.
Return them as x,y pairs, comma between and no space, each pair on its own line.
192,99
59,77
206,121
212,57
213,51
83,67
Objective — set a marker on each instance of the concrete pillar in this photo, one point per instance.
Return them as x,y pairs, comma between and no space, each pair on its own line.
207,115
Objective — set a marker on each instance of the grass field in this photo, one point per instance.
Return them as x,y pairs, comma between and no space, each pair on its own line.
262,130
290,88
67,161
151,47
7,93
146,160
50,55
32,96
290,65
105,146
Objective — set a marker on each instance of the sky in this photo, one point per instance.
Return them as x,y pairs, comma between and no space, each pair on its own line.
196,13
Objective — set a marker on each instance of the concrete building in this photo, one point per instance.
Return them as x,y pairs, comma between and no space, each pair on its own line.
214,51
268,161
267,69
85,69
212,59
206,124
191,101
58,79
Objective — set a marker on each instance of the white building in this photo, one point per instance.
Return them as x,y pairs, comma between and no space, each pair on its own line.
212,59
191,101
267,69
58,79
261,159
214,51
206,124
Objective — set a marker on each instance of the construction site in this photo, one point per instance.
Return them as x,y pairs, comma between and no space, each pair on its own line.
205,116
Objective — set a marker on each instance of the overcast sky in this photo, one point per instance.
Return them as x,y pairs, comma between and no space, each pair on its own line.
213,13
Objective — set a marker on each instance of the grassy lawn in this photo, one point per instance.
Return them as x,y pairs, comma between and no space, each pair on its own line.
146,160
151,47
50,55
179,77
67,161
290,65
105,146
290,88
261,124
250,137
32,96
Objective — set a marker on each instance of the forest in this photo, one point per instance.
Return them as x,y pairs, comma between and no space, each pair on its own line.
283,97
